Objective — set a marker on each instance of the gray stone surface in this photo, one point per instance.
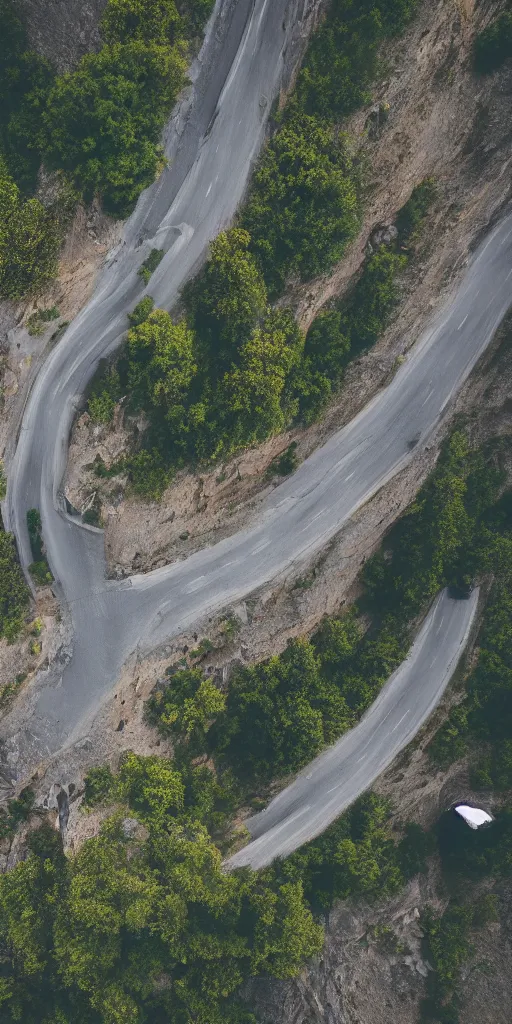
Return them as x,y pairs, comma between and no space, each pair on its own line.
62,30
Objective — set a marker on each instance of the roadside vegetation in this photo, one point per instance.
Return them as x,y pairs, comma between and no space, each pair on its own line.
14,594
98,126
234,371
493,46
142,924
39,568
250,373
278,714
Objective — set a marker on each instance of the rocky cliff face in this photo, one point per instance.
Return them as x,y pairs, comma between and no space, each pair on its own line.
62,30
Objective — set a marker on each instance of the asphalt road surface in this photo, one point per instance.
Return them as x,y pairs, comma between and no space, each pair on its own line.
212,154
327,786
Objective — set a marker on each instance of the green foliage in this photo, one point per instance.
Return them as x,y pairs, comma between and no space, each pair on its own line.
485,715
355,857
25,79
303,206
228,299
285,463
147,473
141,311
30,239
450,741
39,569
195,14
3,482
105,394
34,527
485,910
14,595
342,332
38,322
475,854
187,706
342,59
253,377
102,122
279,715
440,539
149,266
449,948
413,850
493,46
40,572
214,382
161,365
143,924
99,785
142,20
17,810
411,217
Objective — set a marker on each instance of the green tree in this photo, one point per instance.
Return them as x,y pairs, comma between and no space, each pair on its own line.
279,715
14,594
493,46
342,59
25,79
252,397
187,705
162,365
30,240
103,121
227,300
151,786
303,206
148,20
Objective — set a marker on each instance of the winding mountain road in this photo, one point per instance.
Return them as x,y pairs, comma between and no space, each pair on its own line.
239,73
327,786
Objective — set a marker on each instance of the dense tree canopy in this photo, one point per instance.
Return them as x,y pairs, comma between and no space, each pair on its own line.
102,122
142,925
25,79
30,240
493,46
303,206
146,20
341,62
14,595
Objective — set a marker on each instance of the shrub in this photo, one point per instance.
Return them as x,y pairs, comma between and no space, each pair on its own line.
413,214
493,46
39,569
303,207
147,473
30,240
102,122
149,266
141,311
14,594
38,322
143,20
105,395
